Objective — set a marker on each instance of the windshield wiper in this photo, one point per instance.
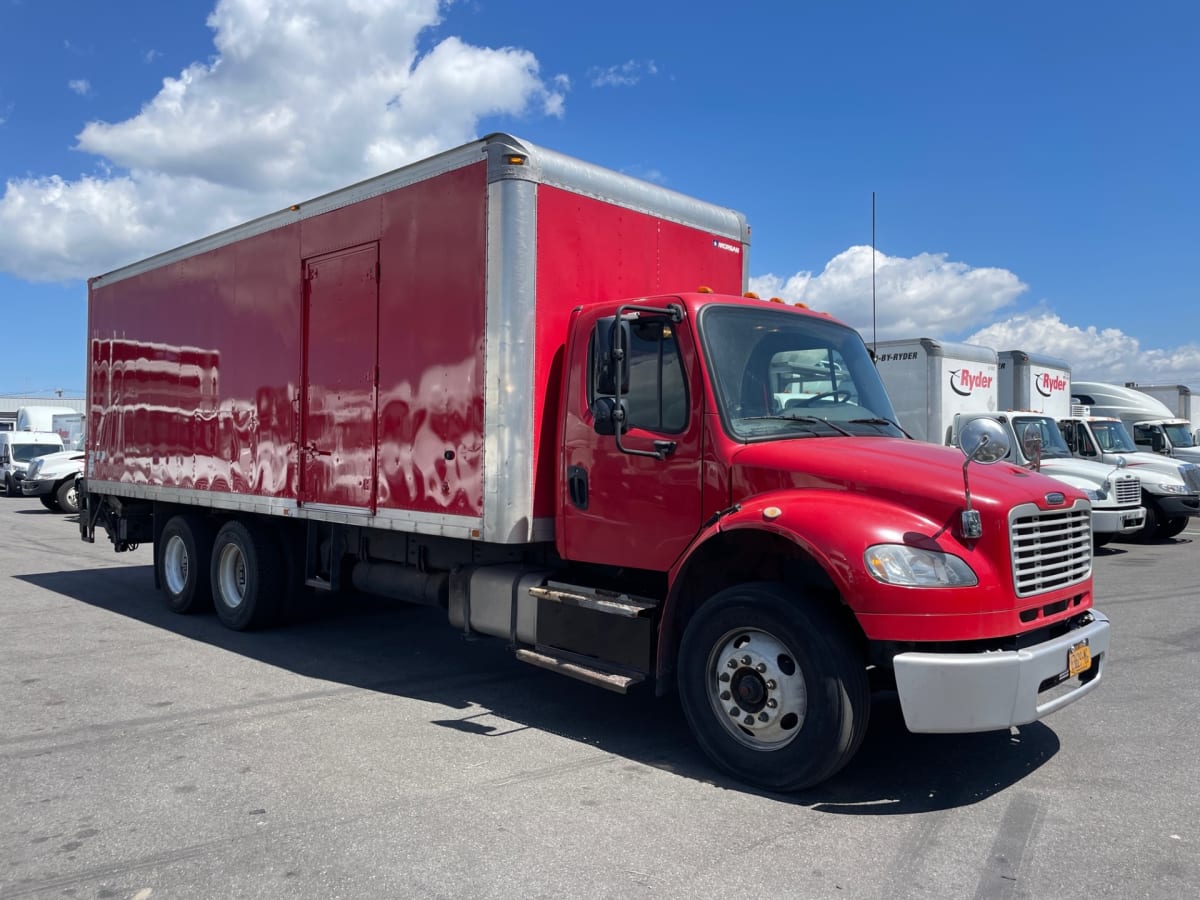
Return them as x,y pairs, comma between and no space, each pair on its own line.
804,419
879,420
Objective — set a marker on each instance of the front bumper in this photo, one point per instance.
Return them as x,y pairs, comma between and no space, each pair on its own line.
1118,521
991,691
1173,505
35,487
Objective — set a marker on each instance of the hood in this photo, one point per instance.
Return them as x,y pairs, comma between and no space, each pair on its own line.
1086,469
56,464
1148,465
924,477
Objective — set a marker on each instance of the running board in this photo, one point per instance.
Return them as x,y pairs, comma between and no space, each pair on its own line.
610,681
625,605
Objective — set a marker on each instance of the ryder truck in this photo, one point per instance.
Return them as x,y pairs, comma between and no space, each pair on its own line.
426,386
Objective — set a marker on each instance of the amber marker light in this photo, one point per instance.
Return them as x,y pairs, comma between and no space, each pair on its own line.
704,289
515,159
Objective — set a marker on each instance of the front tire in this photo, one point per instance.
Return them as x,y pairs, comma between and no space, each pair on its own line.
184,552
67,497
48,501
10,487
771,686
1168,528
246,576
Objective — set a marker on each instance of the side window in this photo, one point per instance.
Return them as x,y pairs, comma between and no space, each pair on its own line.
657,398
1068,433
1141,435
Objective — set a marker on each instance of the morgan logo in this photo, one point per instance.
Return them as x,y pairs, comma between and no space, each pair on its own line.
722,245
964,382
1047,384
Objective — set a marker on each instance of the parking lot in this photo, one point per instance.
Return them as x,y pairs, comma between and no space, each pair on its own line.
372,751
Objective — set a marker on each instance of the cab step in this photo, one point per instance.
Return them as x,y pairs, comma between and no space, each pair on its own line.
611,602
569,665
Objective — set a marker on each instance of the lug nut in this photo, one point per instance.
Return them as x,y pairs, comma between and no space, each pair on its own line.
761,667
735,712
749,720
772,703
771,685
763,717
746,660
724,676
724,695
732,664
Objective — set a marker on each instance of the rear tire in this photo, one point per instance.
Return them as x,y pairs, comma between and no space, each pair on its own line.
67,497
246,574
182,556
772,688
49,502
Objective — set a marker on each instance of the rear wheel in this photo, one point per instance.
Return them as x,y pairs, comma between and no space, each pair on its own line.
184,550
49,502
772,688
246,574
67,496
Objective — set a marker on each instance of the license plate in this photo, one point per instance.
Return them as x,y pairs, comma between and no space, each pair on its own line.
1079,659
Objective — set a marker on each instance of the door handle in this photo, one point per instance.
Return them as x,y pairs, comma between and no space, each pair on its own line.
577,486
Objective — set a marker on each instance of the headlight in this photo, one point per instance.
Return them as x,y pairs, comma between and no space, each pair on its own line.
1097,494
34,468
1171,487
902,564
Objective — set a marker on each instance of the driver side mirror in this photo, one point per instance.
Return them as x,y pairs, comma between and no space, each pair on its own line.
610,357
1157,444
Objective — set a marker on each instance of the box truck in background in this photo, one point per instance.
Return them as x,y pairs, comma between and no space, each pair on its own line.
938,387
1152,424
930,381
1179,398
428,386
1034,383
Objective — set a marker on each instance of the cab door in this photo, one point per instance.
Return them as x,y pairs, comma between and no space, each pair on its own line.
640,506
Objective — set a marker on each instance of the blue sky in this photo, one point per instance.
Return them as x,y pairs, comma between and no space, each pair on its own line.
1034,164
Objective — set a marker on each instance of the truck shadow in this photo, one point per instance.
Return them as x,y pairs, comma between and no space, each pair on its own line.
412,652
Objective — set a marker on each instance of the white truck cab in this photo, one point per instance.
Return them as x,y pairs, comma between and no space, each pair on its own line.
1152,424
18,449
1037,444
1170,487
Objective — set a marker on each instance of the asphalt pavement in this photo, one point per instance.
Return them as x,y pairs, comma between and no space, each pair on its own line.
369,750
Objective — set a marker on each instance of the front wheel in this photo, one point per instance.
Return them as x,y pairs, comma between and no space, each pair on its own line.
10,487
772,688
48,501
1168,528
67,496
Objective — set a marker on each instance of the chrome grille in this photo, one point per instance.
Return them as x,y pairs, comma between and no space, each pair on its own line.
1191,476
1050,549
1128,490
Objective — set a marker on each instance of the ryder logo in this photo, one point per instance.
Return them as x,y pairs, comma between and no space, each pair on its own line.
1047,384
964,382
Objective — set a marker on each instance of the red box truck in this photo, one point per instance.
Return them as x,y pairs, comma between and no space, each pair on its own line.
531,391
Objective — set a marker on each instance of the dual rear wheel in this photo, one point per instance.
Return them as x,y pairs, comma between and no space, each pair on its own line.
236,569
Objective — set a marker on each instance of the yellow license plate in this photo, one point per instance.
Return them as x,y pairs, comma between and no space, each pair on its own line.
1079,659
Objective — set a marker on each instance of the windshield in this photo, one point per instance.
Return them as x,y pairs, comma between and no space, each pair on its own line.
1031,429
1113,438
1179,435
26,452
778,374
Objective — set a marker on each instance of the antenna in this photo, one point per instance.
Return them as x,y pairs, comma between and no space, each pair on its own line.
874,335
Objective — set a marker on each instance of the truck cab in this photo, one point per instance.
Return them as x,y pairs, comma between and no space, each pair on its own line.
1170,489
1038,444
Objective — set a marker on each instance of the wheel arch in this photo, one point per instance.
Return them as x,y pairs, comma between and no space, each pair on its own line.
739,555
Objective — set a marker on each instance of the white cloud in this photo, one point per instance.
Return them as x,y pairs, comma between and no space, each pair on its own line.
625,74
80,86
925,295
1095,354
301,97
